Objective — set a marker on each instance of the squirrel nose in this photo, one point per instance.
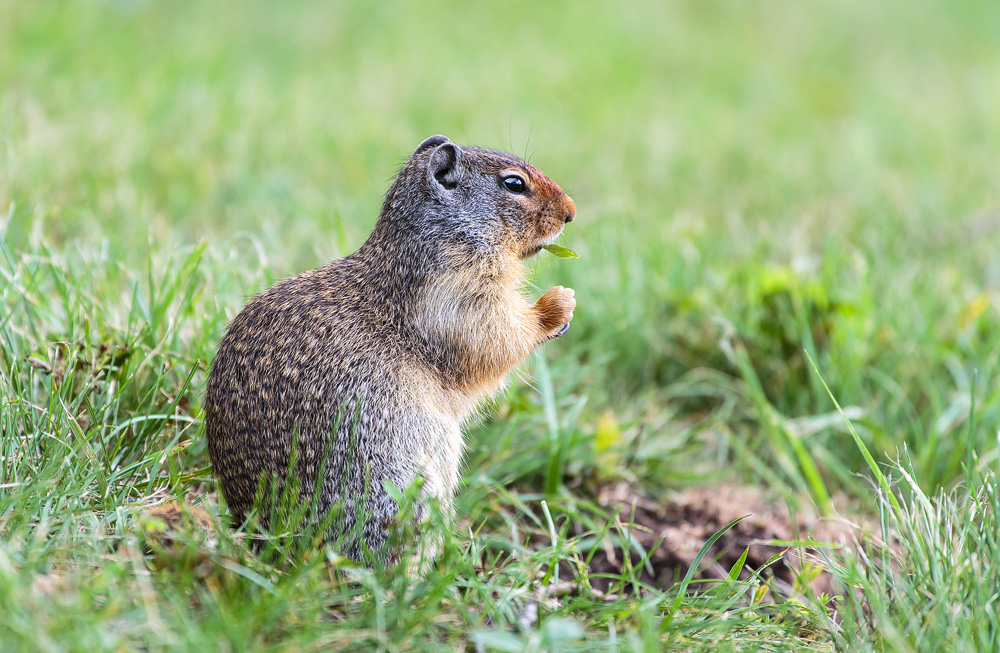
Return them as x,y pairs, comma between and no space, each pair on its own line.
570,210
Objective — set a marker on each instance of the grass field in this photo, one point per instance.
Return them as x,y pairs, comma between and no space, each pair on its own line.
781,206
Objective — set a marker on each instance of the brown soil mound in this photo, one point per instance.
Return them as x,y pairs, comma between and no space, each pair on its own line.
676,529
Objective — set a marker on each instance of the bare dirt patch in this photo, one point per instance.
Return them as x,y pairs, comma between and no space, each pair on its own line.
673,531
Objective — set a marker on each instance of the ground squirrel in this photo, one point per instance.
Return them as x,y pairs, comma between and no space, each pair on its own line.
389,349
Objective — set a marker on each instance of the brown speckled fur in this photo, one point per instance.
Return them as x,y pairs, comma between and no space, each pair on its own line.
406,337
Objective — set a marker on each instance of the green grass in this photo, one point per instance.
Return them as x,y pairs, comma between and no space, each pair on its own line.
760,188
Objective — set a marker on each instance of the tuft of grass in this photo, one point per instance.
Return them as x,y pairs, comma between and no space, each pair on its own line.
932,575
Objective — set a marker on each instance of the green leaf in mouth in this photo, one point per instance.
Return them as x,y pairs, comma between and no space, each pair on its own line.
560,251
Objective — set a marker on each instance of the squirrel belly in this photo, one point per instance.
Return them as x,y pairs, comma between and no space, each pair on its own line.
368,366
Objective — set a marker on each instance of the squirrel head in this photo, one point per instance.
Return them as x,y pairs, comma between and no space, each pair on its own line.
474,202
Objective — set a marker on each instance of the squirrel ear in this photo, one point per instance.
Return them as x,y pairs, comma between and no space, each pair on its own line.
431,142
445,165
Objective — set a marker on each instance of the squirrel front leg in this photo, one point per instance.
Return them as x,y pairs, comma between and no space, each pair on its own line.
554,311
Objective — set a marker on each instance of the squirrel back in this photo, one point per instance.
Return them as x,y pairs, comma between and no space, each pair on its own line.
367,366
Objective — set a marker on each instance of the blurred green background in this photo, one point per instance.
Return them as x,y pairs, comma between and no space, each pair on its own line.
754,181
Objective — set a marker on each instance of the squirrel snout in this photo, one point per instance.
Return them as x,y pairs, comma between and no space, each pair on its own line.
569,210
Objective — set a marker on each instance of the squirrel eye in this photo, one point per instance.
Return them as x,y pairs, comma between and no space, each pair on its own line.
514,184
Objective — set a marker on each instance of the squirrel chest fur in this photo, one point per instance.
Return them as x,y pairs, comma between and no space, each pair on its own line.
368,366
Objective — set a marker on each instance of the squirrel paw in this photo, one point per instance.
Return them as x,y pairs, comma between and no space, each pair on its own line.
555,311
563,329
